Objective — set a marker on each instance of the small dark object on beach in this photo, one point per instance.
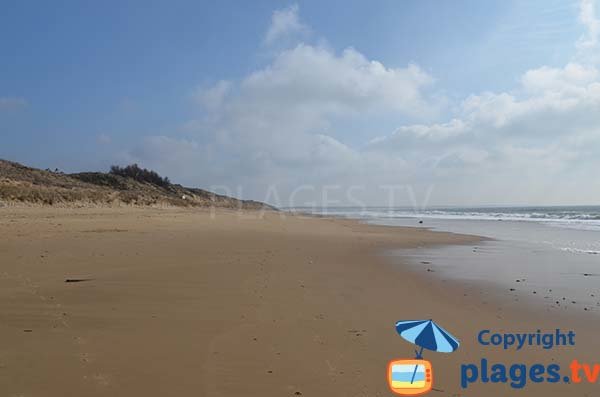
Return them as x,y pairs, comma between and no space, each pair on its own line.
420,221
77,280
430,270
534,292
517,281
512,289
298,393
425,262
27,330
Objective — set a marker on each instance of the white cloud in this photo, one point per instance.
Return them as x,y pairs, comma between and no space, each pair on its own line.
571,79
12,103
272,127
281,113
587,16
431,133
284,125
285,23
523,143
314,76
213,97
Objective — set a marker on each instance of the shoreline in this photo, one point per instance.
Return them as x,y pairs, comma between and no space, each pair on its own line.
497,290
180,302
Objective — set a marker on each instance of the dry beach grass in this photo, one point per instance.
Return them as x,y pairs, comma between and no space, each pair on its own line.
26,186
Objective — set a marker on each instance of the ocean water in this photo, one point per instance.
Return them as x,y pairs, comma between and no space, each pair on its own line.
547,255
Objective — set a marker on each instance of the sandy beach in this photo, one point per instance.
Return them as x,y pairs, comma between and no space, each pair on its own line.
190,302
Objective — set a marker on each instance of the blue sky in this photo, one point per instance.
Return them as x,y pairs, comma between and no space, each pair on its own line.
249,95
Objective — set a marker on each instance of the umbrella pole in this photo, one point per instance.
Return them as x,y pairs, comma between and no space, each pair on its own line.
419,356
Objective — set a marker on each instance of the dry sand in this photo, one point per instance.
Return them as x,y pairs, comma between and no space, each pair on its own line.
181,303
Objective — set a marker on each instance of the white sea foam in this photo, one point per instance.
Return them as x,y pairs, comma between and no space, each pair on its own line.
584,218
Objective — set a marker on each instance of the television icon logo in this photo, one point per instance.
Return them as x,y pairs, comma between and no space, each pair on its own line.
410,377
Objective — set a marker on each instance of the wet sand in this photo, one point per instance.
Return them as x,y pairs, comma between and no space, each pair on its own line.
177,302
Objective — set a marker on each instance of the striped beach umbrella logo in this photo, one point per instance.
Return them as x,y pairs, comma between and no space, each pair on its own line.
427,334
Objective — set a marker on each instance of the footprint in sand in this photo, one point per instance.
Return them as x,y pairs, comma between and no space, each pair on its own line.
85,358
100,379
